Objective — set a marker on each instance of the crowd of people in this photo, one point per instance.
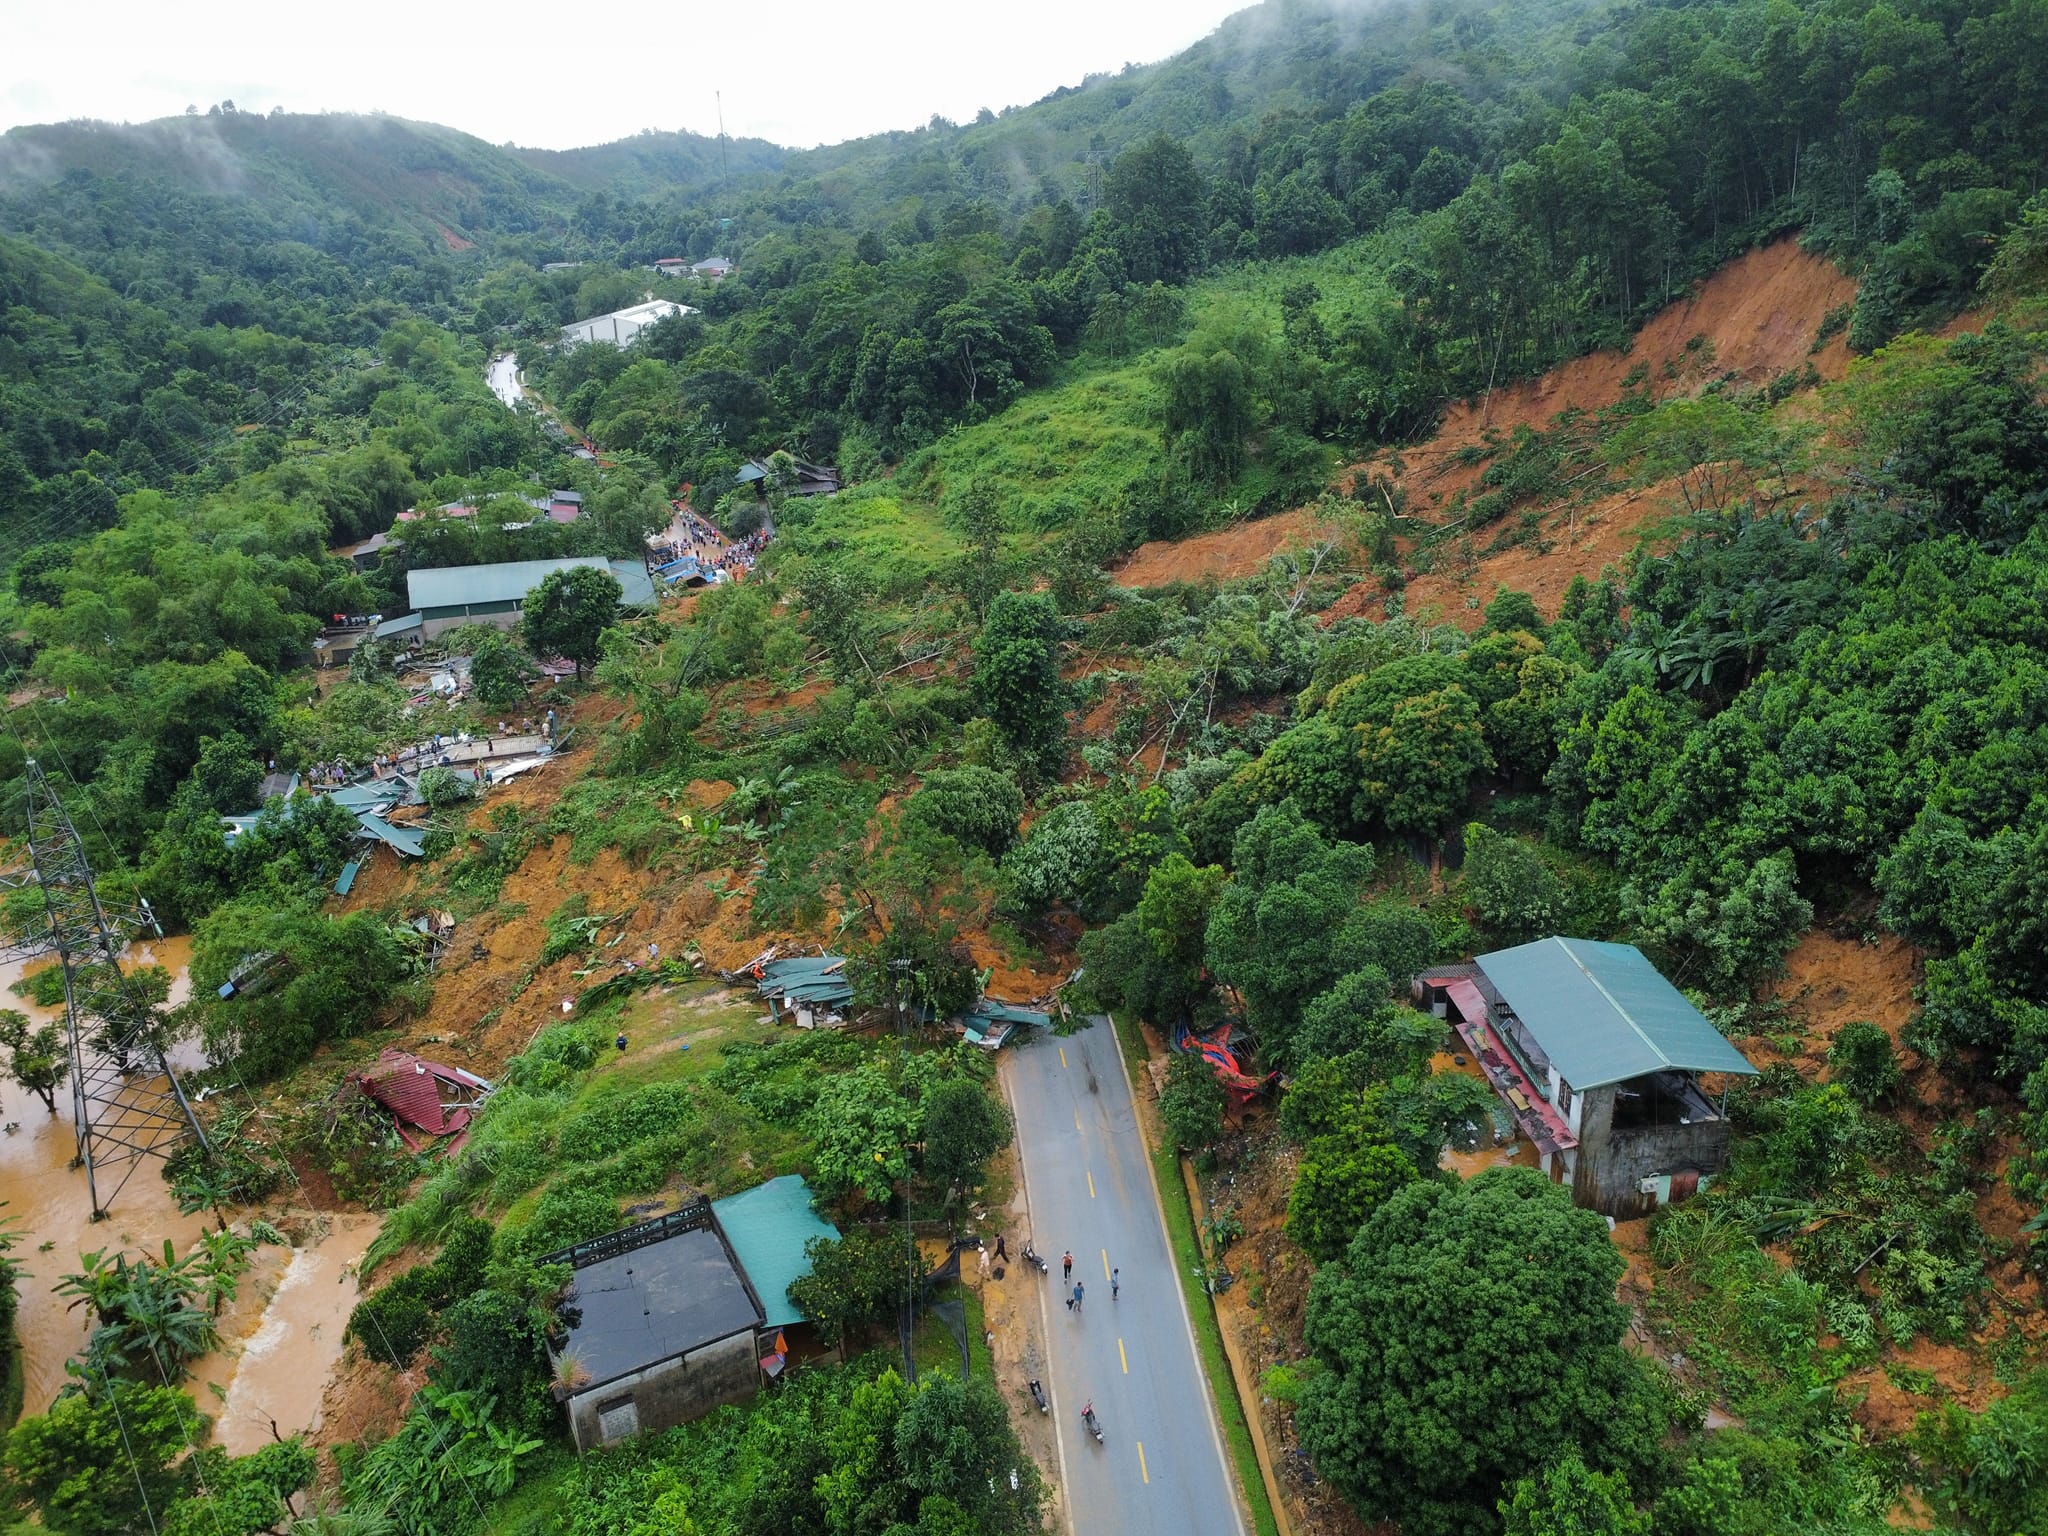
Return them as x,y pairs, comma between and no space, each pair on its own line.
691,537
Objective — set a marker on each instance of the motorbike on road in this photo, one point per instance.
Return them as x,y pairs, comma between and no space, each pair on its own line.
1088,1418
1031,1257
1038,1396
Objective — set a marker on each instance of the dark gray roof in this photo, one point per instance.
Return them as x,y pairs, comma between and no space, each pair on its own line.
1603,1014
652,1303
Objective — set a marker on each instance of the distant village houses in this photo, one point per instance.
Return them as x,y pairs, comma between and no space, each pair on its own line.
714,268
811,479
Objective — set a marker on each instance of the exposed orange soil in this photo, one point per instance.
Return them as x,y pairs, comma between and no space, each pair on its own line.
1239,550
1831,981
1582,543
1759,316
1760,313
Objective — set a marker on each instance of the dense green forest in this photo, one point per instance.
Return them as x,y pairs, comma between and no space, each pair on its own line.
1145,307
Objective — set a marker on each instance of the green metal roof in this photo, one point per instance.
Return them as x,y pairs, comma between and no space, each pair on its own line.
1603,1014
767,1228
410,841
1007,1013
509,581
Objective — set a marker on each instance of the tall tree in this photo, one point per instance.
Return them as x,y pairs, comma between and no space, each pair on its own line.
1017,675
36,1057
1158,203
1471,1338
568,613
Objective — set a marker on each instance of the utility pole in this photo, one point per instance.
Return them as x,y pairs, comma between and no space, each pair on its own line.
126,1101
902,967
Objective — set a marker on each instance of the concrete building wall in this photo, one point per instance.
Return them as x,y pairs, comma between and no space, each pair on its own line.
668,1394
1612,1164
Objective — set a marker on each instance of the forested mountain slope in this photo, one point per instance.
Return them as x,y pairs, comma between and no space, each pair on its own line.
1777,694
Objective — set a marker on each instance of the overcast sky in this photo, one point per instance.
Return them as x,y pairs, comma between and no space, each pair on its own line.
798,72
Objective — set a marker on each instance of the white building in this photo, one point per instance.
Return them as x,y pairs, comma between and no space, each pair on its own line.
618,328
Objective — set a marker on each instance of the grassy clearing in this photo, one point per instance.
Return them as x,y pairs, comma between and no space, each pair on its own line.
1080,449
577,1116
903,542
1187,1250
934,1348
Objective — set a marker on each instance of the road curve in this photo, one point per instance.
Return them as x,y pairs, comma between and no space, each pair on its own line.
1162,1471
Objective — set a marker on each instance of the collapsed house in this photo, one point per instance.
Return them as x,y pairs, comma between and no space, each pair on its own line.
989,1024
674,1317
804,990
1598,1059
1220,1047
813,990
426,1099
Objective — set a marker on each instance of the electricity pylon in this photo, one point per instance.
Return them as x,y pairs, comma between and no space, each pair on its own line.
126,1102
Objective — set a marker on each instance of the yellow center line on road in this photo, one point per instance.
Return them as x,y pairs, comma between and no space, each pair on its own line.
1063,1055
1143,1471
1091,1186
1077,1119
1121,1358
1105,1263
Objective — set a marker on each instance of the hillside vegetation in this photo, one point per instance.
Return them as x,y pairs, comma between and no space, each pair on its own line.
1586,466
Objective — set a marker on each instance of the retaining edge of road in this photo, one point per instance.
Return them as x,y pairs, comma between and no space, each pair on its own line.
1186,1312
1240,1370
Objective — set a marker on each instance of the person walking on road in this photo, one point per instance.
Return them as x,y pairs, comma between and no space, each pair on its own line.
1067,1267
1115,1285
1079,1291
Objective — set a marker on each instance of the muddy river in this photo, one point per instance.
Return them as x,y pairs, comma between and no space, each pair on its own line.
503,377
282,1335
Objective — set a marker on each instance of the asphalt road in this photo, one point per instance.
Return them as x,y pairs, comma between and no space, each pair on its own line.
1162,1471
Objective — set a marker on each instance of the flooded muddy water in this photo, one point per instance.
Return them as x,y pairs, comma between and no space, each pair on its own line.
274,1373
282,1336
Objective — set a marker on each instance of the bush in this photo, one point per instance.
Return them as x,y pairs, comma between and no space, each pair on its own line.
565,1215
1863,1062
44,988
855,1281
979,806
397,1320
1343,1178
1191,1103
443,787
